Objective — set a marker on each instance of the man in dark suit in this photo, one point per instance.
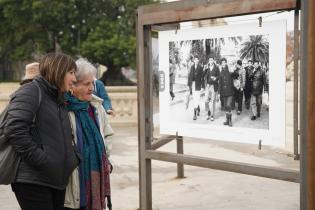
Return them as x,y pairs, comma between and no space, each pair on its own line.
212,74
195,83
258,84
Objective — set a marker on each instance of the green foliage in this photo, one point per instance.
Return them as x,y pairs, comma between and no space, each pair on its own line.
101,30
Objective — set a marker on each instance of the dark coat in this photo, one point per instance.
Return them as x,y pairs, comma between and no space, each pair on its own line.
46,151
248,83
196,75
258,79
226,83
239,77
215,72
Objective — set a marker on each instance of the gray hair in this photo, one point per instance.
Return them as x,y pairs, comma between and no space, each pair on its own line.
84,68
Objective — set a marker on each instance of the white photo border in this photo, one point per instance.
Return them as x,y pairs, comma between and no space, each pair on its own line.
275,134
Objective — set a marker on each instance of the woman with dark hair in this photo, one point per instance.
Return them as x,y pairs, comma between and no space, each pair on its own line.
41,135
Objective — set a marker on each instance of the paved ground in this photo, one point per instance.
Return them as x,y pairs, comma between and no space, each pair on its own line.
202,189
183,114
205,189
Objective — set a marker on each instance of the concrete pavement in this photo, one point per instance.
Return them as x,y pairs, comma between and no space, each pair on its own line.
202,189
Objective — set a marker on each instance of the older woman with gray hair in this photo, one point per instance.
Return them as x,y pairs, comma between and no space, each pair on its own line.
99,87
89,185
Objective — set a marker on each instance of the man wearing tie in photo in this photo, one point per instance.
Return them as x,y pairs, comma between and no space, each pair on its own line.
195,83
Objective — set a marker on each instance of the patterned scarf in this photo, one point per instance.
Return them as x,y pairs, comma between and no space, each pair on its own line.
94,165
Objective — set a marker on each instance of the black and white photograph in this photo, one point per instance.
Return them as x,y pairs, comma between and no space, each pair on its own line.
220,81
223,80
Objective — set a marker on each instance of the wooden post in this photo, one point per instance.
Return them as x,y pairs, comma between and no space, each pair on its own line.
180,150
145,119
296,84
225,165
308,105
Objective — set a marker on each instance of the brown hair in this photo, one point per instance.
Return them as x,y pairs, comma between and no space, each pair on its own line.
54,66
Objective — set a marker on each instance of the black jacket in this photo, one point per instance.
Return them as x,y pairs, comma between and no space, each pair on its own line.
226,87
258,79
196,75
46,150
248,82
215,72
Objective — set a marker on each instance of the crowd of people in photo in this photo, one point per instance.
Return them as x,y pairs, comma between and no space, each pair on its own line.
232,84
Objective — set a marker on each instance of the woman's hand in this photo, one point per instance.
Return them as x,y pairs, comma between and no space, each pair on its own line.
111,112
110,167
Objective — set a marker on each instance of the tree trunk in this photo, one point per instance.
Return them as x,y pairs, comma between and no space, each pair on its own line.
208,49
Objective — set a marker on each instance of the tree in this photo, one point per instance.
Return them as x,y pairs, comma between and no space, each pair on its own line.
197,50
214,45
256,48
213,48
101,30
174,52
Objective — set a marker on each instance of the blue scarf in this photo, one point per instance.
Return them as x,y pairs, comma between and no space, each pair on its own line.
95,162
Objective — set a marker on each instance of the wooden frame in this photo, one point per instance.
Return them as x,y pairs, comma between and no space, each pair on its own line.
152,17
307,169
187,10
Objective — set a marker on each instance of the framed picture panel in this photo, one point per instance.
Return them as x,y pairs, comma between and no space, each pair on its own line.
202,67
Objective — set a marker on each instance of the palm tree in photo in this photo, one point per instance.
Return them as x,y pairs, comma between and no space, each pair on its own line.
256,48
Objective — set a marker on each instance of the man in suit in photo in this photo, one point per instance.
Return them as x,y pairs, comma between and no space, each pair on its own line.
196,83
248,84
239,83
212,74
258,84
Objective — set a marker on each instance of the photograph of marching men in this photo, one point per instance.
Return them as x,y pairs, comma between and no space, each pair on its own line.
204,72
218,84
